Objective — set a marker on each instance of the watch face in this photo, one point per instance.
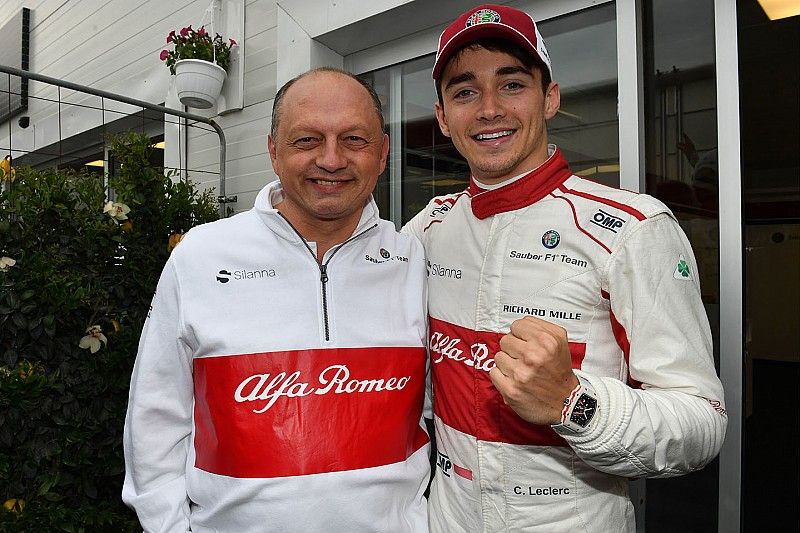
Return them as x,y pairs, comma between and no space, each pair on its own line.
584,410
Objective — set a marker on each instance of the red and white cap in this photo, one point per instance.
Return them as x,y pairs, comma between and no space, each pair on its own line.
490,21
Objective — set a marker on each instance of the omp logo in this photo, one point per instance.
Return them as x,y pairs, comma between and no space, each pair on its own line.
446,466
224,276
444,463
607,221
441,210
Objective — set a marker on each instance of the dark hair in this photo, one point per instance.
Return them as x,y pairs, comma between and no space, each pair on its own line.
276,106
528,60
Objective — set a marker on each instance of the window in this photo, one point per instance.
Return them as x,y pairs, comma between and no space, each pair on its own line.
423,163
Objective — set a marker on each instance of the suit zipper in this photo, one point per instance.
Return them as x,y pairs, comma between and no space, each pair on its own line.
323,269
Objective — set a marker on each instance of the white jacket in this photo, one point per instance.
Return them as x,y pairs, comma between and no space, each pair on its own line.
263,399
616,271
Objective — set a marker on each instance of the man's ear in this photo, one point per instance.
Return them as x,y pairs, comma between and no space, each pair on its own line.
552,100
437,107
384,152
272,155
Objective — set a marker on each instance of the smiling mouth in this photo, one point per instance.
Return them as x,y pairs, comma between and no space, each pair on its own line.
492,136
328,183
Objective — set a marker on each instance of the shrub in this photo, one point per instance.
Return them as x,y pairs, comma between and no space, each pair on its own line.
80,262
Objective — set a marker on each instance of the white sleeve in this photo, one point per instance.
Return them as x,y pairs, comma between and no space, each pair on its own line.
416,225
158,424
675,423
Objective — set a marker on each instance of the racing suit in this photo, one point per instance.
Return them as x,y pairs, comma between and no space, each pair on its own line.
614,269
272,393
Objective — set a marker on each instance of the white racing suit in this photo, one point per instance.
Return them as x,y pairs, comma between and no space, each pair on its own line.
271,394
615,270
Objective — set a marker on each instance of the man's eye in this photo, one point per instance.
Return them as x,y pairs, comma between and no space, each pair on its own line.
355,140
305,141
463,93
514,85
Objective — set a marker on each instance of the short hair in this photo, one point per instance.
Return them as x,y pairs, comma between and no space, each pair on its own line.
278,103
528,60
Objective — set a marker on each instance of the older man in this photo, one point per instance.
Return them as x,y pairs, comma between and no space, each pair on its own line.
570,346
280,377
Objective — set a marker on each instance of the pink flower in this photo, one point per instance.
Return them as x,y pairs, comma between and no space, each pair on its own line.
201,31
164,55
171,36
233,43
185,31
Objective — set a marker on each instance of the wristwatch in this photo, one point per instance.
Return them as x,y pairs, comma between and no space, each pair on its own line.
580,407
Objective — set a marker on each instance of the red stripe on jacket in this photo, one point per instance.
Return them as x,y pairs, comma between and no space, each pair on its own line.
464,397
622,207
305,412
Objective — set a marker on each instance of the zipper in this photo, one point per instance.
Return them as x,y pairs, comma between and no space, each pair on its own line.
323,268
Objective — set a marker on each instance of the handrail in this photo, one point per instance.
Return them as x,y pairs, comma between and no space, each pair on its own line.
222,199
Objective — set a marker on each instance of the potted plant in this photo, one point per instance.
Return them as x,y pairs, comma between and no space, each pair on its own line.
199,64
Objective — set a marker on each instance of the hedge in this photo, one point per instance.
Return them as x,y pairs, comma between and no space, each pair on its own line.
77,274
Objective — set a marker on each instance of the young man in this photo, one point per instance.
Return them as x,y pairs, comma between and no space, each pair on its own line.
280,377
570,349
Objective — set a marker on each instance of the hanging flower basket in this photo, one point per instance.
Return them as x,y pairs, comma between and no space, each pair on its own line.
198,82
199,63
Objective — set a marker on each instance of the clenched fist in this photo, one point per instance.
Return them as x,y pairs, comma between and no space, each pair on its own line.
533,370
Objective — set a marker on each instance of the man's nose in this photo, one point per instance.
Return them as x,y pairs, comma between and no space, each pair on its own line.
490,107
331,156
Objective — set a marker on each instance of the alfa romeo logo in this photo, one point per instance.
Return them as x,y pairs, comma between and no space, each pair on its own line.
551,239
482,16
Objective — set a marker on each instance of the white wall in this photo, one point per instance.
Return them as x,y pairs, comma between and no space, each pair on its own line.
248,167
114,45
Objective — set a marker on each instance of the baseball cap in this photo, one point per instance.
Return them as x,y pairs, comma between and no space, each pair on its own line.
489,21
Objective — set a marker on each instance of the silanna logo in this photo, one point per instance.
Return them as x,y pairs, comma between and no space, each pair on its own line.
435,269
224,276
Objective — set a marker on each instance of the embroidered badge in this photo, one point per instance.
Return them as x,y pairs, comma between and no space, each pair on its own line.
482,16
551,239
682,270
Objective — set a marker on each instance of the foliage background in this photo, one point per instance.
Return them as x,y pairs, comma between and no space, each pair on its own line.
62,408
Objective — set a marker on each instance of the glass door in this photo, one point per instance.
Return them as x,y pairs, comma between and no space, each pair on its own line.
769,73
681,170
424,163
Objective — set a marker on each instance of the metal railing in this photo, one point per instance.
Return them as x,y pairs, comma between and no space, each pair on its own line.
222,198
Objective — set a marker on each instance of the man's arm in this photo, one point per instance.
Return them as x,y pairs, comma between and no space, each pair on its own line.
158,424
414,228
675,423
416,225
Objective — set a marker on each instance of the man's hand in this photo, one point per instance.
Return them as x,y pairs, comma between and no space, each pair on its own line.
533,370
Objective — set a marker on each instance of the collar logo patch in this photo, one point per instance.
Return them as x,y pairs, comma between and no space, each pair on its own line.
551,239
482,16
682,270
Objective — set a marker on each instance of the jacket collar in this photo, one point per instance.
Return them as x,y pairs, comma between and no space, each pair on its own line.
272,194
523,192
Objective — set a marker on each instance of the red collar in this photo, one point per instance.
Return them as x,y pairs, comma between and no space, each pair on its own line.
527,190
